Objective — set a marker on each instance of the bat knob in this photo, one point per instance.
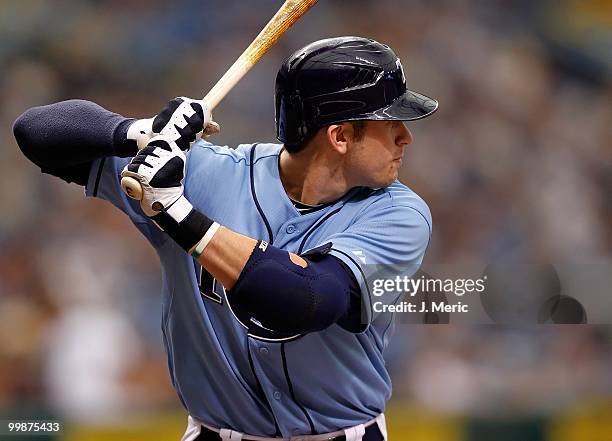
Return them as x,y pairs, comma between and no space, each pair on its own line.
211,129
132,188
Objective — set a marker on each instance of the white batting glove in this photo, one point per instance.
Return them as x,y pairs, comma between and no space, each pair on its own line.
183,119
160,169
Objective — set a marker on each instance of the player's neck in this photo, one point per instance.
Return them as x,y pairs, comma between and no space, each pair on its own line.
312,177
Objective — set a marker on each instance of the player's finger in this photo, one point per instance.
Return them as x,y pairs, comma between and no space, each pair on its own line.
162,119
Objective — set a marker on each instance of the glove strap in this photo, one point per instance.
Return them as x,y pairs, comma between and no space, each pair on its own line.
180,209
184,224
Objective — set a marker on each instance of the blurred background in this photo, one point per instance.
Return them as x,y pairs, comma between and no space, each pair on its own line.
516,166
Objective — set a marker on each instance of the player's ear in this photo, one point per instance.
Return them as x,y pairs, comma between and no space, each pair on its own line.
337,137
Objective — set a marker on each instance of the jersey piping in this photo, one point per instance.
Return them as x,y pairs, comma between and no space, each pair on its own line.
261,213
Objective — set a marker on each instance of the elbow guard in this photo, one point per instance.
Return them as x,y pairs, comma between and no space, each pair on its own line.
277,299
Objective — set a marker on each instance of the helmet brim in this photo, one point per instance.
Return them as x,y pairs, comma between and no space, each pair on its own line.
408,107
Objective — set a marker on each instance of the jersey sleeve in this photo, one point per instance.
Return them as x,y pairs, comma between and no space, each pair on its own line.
384,243
105,183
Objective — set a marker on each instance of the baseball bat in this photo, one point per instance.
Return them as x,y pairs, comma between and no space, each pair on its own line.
290,12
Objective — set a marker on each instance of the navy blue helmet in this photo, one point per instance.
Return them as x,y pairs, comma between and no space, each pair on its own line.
342,79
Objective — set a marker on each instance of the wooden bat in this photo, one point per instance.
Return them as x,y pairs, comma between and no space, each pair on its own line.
290,12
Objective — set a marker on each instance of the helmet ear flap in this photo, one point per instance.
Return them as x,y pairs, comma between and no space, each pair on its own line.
297,107
292,127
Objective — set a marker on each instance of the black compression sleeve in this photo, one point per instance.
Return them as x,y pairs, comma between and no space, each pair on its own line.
65,134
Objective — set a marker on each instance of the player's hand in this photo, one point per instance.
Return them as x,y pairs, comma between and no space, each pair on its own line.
160,169
183,119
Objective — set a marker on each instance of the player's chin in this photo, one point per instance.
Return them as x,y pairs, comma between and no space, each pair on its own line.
385,181
383,177
392,176
392,180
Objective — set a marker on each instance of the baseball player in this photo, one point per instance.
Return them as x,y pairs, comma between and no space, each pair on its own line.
267,317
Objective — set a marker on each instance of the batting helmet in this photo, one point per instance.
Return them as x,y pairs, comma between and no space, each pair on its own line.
342,79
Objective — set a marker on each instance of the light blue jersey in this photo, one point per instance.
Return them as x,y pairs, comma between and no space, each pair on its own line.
318,383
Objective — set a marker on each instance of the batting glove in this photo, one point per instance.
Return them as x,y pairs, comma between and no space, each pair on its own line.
183,119
160,169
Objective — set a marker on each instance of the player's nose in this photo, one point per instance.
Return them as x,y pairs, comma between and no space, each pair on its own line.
404,136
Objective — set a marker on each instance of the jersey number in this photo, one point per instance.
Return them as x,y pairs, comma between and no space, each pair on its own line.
208,286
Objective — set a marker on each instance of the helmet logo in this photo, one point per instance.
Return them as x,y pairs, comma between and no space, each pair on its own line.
398,63
363,60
